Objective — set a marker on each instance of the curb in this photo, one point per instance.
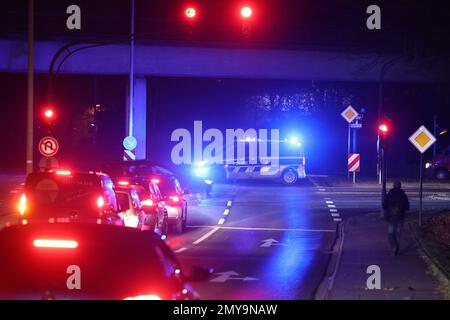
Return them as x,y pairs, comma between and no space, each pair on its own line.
326,284
425,252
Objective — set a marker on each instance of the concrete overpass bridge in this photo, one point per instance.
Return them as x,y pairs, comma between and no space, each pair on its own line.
320,64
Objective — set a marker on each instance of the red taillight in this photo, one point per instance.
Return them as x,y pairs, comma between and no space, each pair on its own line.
155,181
147,202
22,204
144,297
174,198
48,243
63,172
123,183
100,202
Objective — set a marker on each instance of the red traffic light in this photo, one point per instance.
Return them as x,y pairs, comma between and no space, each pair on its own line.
383,128
246,12
190,12
49,113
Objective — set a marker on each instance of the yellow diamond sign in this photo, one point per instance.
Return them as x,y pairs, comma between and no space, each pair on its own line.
349,114
422,139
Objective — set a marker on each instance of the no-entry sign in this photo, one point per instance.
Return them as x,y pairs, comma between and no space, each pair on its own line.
48,146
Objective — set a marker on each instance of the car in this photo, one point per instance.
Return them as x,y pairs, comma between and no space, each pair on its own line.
176,204
129,205
79,261
63,195
142,199
439,166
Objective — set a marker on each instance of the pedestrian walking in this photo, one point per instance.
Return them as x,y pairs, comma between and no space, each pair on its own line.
395,205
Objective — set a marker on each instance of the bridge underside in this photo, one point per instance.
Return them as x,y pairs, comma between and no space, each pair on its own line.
179,61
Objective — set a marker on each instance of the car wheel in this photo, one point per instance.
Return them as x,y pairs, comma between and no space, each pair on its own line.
177,227
289,177
442,174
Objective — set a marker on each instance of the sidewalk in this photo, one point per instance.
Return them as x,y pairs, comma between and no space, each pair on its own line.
404,277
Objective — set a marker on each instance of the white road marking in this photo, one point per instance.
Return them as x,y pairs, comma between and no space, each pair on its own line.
180,250
230,275
329,202
333,210
270,242
321,189
331,206
221,221
207,235
226,212
337,219
229,203
263,229
335,215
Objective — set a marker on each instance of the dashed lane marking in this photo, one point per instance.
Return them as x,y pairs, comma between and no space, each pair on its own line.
180,250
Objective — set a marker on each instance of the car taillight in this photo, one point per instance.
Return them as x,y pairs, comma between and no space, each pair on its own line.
100,202
49,243
22,204
147,203
63,172
144,297
123,183
174,198
155,181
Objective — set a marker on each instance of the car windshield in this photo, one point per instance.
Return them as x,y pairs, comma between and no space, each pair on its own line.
167,187
114,262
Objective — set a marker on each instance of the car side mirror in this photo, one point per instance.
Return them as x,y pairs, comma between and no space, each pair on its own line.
199,274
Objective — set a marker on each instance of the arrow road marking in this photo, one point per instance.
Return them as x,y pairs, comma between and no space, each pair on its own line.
230,275
270,242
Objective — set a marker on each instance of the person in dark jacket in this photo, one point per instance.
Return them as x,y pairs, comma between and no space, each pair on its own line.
395,205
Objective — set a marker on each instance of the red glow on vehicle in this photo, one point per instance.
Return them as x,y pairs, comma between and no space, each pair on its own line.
22,204
144,297
100,201
49,243
147,202
246,12
155,181
174,198
124,183
63,172
190,12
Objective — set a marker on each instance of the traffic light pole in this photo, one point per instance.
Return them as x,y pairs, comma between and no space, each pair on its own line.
30,88
383,173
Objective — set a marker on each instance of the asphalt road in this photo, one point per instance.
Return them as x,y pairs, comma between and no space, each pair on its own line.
264,240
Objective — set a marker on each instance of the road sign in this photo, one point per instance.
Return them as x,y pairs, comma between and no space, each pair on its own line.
349,114
48,163
129,143
354,162
129,155
48,146
230,275
422,139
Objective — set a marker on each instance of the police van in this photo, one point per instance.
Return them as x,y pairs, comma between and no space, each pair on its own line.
288,167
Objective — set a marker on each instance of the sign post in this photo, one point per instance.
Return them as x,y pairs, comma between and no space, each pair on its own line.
354,164
422,139
349,114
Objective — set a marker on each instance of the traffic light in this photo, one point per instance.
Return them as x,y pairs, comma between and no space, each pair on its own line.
48,113
383,132
190,13
246,12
